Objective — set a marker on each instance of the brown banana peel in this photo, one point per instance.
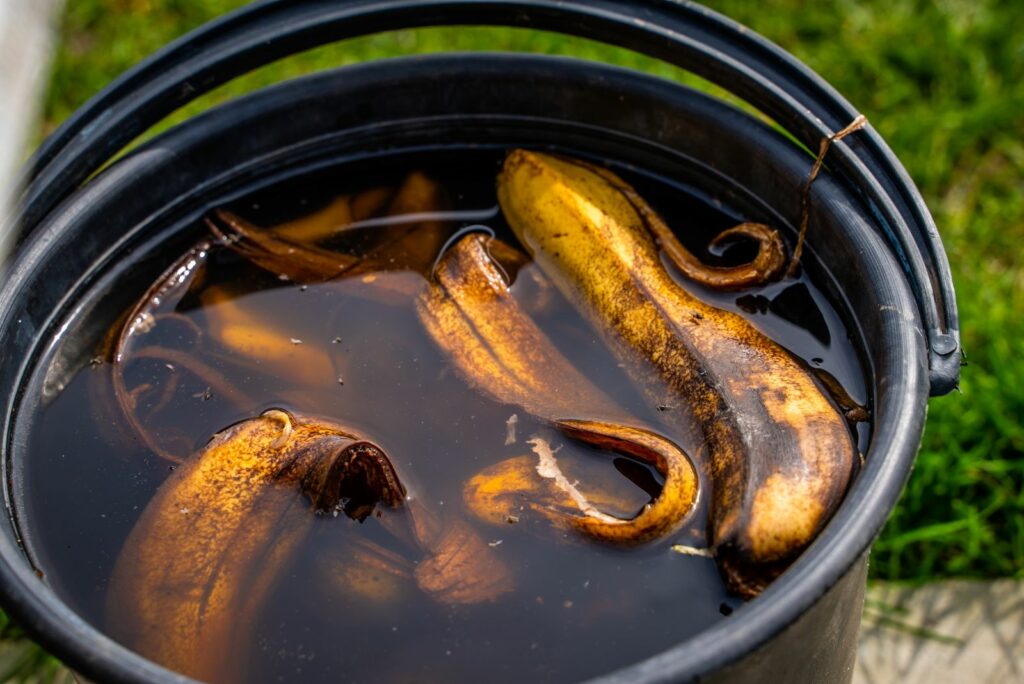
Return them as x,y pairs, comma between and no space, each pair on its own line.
156,306
766,266
677,498
778,452
214,539
410,241
288,250
508,489
471,315
364,572
334,218
212,544
250,338
461,568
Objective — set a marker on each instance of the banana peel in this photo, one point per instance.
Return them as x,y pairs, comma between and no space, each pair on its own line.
410,241
214,542
287,250
249,337
496,347
461,568
766,266
156,307
215,538
334,218
537,486
365,574
779,454
470,314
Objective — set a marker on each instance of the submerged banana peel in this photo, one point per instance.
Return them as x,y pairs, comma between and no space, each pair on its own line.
471,315
213,541
219,534
779,453
409,240
461,568
250,338
334,218
158,307
536,485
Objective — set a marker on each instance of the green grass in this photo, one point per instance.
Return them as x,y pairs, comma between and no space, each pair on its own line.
23,661
942,80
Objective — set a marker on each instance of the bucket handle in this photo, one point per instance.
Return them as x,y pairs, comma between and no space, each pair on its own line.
682,33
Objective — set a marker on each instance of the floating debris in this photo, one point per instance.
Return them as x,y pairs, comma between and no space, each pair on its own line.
510,429
702,552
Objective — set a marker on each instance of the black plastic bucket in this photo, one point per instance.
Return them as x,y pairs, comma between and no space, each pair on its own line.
874,248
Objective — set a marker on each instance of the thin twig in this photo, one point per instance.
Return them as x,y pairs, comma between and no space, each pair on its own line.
805,197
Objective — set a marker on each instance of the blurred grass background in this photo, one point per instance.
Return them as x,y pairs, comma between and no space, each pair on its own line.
942,80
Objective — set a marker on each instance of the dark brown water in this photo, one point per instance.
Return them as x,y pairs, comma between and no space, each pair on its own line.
578,609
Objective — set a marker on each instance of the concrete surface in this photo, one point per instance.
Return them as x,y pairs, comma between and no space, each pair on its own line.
943,633
960,632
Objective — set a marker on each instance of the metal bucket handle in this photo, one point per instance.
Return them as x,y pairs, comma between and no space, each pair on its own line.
682,33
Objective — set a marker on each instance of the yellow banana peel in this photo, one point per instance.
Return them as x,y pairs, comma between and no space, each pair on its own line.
213,541
197,568
779,453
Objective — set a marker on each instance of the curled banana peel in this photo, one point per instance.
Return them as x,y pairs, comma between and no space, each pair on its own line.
213,543
505,490
779,454
766,266
157,307
471,315
409,241
661,516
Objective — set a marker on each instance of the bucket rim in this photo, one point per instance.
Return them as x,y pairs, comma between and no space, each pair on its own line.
680,32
